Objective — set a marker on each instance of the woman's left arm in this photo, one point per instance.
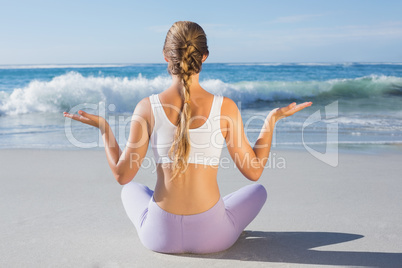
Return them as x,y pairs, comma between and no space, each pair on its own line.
126,164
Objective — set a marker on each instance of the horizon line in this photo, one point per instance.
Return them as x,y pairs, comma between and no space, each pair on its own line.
234,62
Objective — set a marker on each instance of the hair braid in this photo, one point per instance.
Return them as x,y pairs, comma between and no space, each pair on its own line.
185,46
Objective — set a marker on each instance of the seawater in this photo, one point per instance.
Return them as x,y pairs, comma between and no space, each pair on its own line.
367,97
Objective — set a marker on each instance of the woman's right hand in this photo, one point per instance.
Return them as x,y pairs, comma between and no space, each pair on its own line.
89,119
289,110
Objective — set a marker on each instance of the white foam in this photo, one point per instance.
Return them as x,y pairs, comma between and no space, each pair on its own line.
66,91
258,64
356,121
70,89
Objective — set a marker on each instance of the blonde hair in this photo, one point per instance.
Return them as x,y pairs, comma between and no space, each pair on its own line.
184,48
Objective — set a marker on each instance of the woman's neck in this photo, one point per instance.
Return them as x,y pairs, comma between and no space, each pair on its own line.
195,82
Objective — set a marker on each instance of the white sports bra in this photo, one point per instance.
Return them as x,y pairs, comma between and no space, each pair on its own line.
206,141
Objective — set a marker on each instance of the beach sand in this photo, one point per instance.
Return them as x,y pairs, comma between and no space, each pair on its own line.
63,209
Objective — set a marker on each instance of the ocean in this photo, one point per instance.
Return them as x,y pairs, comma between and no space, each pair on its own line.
356,106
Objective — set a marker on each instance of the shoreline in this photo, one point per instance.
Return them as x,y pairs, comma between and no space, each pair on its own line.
350,148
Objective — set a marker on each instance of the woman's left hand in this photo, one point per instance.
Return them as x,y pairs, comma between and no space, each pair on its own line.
89,119
289,110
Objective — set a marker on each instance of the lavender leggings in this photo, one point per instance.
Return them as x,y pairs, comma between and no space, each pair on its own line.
214,230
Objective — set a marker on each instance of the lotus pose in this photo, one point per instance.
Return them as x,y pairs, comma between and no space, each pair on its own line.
187,128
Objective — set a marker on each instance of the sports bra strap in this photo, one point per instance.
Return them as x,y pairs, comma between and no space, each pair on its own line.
206,141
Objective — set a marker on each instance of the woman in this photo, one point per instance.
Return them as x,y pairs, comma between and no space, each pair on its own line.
187,127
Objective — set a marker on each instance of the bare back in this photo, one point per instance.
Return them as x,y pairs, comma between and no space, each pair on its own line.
197,190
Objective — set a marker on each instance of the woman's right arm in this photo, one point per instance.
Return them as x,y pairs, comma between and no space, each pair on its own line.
251,161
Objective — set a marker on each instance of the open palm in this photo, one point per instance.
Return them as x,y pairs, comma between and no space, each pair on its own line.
289,110
86,118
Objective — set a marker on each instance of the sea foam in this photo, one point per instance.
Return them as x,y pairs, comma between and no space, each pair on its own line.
68,90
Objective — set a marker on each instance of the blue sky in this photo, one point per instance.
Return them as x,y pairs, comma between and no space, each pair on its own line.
43,32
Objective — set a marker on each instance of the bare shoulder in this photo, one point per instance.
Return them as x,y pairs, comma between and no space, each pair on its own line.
143,107
229,108
143,110
230,116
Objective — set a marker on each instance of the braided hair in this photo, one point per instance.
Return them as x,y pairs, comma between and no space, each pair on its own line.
185,45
